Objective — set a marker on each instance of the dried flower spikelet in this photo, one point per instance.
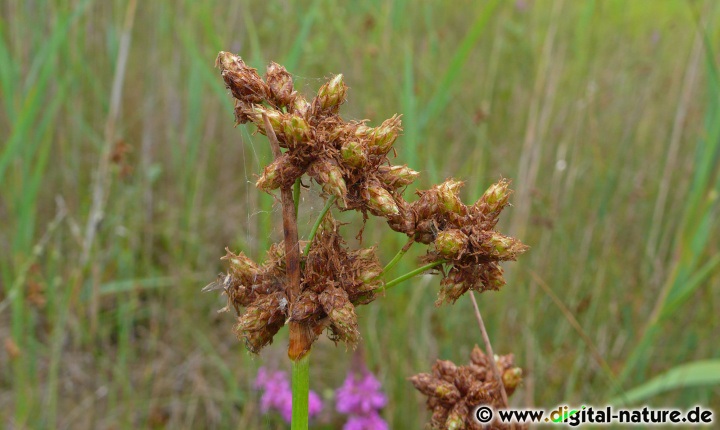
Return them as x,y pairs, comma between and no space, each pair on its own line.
504,247
266,310
450,243
456,418
280,83
367,266
380,201
444,391
296,130
397,176
306,306
276,173
244,82
300,106
330,177
447,192
451,291
363,131
240,265
445,369
511,379
343,319
492,277
331,95
274,116
353,153
494,199
384,136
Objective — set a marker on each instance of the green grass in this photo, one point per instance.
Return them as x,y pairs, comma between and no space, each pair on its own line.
604,114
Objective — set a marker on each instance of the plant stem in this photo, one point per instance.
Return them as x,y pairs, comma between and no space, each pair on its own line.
296,196
408,275
318,221
489,350
300,393
399,255
299,345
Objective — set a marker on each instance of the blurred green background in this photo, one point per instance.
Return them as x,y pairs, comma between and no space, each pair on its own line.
122,179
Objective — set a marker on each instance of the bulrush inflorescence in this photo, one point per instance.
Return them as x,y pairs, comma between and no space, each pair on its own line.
454,391
316,285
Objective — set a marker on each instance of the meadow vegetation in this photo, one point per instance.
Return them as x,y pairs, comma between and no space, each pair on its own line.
121,181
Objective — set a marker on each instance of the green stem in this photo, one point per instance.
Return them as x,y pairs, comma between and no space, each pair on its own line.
398,256
318,221
300,393
408,275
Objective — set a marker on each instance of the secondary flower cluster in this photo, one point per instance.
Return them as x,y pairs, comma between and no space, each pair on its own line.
334,280
453,391
278,396
361,398
464,236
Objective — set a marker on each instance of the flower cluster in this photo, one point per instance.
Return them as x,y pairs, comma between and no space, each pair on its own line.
334,280
464,236
453,391
277,395
350,161
361,398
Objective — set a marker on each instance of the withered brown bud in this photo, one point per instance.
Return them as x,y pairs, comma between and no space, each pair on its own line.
244,82
380,201
445,369
240,265
397,176
276,174
429,385
451,291
280,83
340,310
329,176
450,243
353,153
384,136
492,277
266,310
456,418
306,306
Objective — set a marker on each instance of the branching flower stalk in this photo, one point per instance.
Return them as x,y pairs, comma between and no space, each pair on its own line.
314,286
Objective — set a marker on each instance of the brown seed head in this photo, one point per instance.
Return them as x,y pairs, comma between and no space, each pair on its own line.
243,81
280,83
240,265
